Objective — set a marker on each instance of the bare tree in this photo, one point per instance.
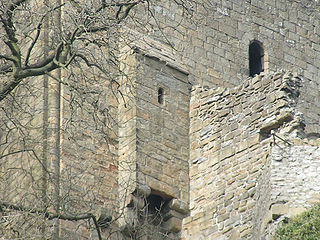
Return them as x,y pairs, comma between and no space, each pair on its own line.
59,94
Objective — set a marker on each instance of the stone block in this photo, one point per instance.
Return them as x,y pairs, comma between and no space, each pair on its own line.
134,201
223,217
143,190
162,188
173,213
296,211
279,210
173,224
227,152
242,209
195,126
235,235
179,206
252,140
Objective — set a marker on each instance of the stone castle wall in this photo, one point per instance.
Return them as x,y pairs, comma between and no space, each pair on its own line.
213,45
294,174
230,154
156,133
162,137
294,181
153,138
228,167
232,180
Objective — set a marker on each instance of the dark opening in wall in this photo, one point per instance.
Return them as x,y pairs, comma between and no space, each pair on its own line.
256,55
155,207
160,95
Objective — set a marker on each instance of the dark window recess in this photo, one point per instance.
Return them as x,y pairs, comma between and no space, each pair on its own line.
256,54
155,207
160,95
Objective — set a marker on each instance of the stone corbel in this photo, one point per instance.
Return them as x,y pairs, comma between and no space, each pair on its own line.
173,213
176,211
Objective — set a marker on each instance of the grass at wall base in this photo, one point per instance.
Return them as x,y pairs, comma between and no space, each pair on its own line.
305,226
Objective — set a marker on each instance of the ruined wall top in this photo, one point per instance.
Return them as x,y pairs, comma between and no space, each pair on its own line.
231,136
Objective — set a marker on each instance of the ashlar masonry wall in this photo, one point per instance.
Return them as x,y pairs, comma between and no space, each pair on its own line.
230,148
214,44
162,128
153,145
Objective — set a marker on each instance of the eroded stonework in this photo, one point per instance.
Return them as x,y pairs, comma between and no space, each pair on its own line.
246,158
229,156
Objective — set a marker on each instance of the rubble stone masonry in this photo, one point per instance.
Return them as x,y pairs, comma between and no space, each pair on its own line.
237,169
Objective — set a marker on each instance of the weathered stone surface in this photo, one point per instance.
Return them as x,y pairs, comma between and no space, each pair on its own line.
235,167
179,206
143,190
173,224
234,171
173,213
135,201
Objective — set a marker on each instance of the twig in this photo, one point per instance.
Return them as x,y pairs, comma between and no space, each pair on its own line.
51,216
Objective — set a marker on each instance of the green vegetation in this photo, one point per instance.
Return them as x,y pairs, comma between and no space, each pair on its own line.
305,226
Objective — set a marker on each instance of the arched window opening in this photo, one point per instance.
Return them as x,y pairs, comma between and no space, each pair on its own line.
160,95
256,55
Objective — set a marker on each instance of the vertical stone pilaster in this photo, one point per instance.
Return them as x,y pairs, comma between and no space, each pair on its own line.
52,120
127,134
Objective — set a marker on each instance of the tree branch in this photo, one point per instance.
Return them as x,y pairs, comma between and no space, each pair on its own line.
14,5
15,152
128,6
6,68
61,57
51,216
89,63
120,4
38,34
17,77
33,43
54,61
10,31
9,58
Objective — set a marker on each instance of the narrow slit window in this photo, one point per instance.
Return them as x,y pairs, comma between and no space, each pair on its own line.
256,55
160,95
